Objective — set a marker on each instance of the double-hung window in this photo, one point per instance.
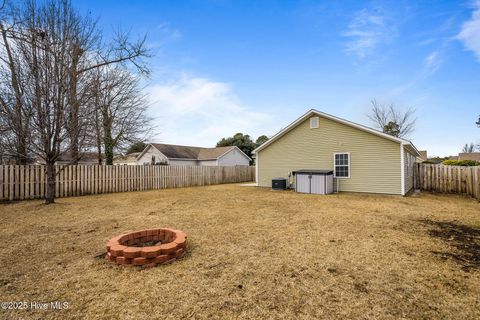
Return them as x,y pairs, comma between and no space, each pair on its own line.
410,164
342,165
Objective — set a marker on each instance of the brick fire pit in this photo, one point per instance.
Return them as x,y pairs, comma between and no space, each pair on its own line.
147,248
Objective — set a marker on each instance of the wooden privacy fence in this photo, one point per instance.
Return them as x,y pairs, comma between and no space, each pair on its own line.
448,179
19,182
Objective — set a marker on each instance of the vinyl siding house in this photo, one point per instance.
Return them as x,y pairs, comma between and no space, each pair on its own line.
176,155
127,160
363,159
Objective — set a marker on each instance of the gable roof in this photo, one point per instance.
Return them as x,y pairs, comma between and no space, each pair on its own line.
173,151
339,120
176,151
213,153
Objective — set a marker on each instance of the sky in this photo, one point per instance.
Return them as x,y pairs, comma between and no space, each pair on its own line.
220,67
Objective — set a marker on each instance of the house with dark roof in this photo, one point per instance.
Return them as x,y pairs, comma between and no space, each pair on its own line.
176,155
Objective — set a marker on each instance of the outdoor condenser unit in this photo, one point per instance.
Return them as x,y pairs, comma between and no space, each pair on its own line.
279,184
314,181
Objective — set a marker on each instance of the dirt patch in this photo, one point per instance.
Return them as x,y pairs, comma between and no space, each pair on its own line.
147,244
464,241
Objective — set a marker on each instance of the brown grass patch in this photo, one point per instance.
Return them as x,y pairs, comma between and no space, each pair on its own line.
253,253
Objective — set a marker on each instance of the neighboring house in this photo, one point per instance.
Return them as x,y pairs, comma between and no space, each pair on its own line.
85,158
423,155
174,155
129,159
363,159
6,159
469,156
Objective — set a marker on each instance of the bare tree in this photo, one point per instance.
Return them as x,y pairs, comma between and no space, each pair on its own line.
391,120
46,92
468,148
88,54
121,107
14,122
44,42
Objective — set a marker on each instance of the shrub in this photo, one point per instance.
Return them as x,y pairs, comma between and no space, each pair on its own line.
463,163
435,160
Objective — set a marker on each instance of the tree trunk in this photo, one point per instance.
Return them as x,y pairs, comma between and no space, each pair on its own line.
51,176
74,130
98,136
108,142
74,125
108,145
21,151
99,153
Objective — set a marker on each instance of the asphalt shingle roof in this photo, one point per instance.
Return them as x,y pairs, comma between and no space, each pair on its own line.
187,152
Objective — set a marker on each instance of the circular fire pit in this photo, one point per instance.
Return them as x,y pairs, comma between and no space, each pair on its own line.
147,248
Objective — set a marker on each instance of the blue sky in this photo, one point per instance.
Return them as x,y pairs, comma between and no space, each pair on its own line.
222,67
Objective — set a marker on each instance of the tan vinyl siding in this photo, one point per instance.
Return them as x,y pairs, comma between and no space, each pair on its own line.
375,164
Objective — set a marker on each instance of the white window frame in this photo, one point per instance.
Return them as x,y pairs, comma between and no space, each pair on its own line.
410,164
317,119
335,166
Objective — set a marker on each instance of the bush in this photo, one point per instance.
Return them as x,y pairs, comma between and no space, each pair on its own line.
463,163
435,160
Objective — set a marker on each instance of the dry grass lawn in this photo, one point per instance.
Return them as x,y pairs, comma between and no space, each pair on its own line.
253,253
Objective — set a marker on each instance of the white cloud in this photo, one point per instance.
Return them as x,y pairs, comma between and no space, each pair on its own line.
366,31
470,33
161,35
167,31
431,63
198,111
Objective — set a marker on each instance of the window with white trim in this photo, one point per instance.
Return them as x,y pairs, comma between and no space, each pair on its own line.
342,165
410,164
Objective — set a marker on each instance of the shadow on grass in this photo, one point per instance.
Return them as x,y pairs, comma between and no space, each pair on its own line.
465,239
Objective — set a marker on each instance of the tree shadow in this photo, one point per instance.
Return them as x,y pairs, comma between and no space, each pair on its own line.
465,239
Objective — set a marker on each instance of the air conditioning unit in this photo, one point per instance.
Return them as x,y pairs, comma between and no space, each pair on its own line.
279,184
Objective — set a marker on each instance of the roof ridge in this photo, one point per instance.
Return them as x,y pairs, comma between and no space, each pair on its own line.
181,145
